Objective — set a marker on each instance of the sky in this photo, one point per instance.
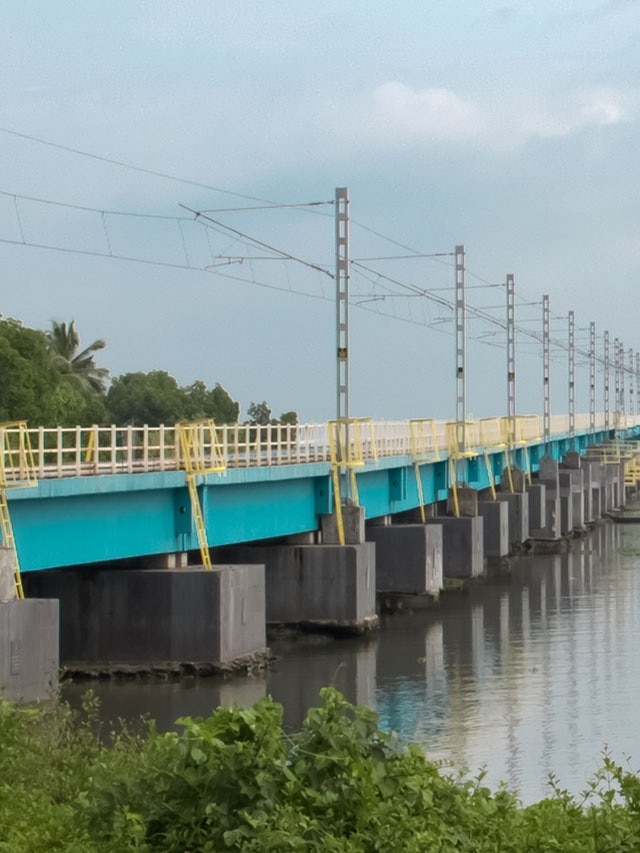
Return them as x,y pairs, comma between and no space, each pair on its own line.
511,128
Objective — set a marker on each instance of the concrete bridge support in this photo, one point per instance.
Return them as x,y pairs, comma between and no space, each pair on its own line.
28,641
588,477
572,495
518,504
323,587
462,538
496,527
517,512
595,467
537,505
604,478
549,477
157,617
409,558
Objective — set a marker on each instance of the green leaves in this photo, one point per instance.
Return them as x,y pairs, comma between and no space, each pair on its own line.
156,398
235,781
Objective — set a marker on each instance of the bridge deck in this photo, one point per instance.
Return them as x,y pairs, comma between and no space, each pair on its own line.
106,494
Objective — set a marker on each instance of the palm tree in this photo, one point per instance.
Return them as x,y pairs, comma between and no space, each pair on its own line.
78,367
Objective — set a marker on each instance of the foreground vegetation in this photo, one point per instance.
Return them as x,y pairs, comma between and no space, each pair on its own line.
236,781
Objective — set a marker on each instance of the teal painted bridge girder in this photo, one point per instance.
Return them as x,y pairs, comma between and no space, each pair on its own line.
96,519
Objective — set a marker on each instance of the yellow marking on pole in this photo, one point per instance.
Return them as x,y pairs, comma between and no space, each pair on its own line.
338,503
423,515
492,484
454,486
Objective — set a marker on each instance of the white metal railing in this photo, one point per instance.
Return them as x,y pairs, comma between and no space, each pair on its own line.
84,451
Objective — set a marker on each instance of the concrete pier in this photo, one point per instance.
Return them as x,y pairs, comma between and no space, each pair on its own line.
29,659
549,477
323,587
408,558
496,527
575,478
537,511
462,546
157,617
518,504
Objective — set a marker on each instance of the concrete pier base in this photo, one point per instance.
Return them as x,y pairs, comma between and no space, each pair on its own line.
596,466
566,514
572,487
464,501
28,649
462,546
518,503
157,616
323,587
537,513
588,471
496,528
29,657
408,558
172,560
352,523
549,476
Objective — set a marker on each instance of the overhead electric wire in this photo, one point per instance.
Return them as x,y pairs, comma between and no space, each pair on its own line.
199,215
426,293
93,209
123,164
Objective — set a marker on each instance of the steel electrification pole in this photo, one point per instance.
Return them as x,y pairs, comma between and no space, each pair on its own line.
592,376
621,405
607,401
631,388
637,382
461,337
546,365
511,356
616,384
572,373
342,328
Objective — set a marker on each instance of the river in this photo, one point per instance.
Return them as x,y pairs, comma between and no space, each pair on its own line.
532,672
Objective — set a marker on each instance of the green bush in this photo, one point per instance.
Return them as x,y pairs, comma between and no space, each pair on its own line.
237,782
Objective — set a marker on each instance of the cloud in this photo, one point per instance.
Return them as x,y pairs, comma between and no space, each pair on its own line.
599,106
398,113
434,113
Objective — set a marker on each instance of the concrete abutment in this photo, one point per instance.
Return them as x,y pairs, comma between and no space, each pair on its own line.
29,659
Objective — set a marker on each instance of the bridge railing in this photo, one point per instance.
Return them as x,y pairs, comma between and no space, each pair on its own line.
85,451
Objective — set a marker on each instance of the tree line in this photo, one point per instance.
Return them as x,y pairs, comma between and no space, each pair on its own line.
48,379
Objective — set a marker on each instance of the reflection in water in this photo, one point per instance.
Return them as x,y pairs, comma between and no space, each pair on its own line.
527,674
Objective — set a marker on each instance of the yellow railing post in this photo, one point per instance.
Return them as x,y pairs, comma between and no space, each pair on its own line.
17,470
201,455
346,454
